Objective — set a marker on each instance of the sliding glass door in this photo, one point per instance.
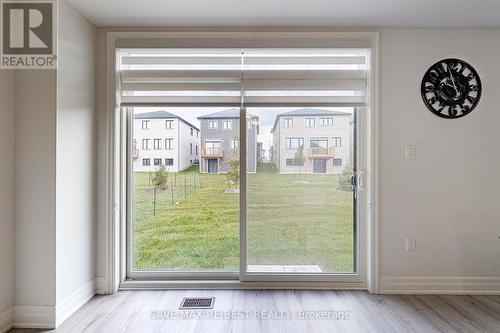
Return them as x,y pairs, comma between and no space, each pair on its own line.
300,199
243,163
184,201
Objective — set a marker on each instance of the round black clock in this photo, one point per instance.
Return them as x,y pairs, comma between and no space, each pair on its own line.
451,88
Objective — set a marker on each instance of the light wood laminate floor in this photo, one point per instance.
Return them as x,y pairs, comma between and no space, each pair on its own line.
147,311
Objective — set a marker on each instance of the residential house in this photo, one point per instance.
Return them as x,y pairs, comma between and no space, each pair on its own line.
312,141
163,138
220,137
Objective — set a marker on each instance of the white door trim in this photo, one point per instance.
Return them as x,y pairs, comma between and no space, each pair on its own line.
115,213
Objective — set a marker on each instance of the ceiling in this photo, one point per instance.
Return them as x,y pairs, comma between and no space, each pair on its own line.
292,13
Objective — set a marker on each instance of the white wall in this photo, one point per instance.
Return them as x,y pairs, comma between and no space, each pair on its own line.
157,130
76,150
186,159
7,190
35,188
448,197
102,159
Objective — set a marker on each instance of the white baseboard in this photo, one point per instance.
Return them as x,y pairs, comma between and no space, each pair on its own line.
75,301
6,319
100,285
27,316
440,285
50,317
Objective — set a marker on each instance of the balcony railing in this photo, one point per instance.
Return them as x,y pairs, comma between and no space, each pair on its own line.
321,152
212,152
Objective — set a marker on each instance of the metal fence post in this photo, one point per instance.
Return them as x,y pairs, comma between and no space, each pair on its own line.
154,202
172,191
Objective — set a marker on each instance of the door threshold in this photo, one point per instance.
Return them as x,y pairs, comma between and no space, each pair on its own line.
236,284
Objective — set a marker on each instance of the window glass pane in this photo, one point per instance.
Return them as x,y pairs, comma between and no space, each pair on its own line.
300,202
185,190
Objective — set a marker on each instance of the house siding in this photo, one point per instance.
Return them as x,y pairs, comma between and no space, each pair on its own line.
179,133
226,136
341,128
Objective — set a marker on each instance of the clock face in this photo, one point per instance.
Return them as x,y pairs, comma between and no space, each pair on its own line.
451,88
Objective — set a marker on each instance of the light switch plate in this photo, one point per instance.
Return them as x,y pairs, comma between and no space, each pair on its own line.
410,152
410,244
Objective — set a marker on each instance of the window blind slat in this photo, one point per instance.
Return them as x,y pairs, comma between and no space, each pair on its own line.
260,77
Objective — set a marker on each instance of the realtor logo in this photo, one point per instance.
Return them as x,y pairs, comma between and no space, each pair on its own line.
28,34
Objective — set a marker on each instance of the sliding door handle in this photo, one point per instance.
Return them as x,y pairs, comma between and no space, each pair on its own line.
360,181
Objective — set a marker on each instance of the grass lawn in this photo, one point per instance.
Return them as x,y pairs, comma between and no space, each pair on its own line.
290,221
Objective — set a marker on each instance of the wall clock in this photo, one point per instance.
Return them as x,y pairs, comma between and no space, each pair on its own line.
451,88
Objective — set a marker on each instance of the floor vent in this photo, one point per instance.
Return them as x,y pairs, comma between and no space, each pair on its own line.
197,303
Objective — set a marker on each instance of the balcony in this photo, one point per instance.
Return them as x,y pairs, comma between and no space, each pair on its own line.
321,152
212,152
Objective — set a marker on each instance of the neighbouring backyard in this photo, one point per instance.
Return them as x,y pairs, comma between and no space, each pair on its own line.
194,225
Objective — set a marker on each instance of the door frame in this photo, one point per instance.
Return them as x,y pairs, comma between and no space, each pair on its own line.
335,280
112,213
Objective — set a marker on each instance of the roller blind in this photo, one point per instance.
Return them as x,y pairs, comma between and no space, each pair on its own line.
255,77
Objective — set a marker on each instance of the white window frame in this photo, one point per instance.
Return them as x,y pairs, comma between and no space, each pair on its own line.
337,141
170,145
213,124
114,211
227,125
326,121
289,146
287,122
235,144
147,124
169,122
145,144
310,122
157,144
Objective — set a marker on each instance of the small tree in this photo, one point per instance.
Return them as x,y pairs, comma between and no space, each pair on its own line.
299,159
345,179
234,171
160,178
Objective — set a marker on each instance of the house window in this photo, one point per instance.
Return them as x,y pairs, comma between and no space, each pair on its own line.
319,143
145,144
326,122
227,124
191,148
294,143
197,133
337,141
146,124
235,144
337,162
294,162
157,161
212,124
288,122
310,122
169,161
192,131
169,144
196,150
156,144
169,124
146,162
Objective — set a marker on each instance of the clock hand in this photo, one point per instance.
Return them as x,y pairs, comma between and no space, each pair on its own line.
453,80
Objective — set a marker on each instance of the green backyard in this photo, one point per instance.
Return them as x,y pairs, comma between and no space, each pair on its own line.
194,225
